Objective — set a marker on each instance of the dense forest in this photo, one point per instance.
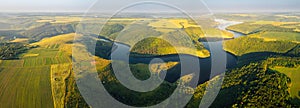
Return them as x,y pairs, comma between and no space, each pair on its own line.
130,97
253,85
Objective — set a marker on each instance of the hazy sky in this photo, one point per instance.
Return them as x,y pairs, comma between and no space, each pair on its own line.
83,5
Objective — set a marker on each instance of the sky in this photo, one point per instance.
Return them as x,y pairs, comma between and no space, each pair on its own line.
112,5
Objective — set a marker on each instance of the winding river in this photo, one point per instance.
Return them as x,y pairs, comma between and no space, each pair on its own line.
205,63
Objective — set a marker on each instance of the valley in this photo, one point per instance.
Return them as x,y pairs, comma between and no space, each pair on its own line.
260,67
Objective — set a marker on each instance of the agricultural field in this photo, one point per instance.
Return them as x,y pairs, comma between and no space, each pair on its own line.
244,45
25,86
263,36
256,26
294,74
171,23
44,69
278,36
20,40
86,19
63,19
190,27
55,41
245,28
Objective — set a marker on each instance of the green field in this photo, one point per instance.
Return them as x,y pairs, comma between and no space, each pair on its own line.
279,36
294,74
45,57
263,36
257,26
25,87
26,82
244,28
245,45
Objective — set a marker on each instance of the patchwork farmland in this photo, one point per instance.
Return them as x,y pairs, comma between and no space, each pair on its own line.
26,82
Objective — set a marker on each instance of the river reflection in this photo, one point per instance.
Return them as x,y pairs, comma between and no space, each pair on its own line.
205,63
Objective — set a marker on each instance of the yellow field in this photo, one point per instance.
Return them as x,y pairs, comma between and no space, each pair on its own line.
31,55
199,53
185,22
163,23
186,78
63,19
20,40
101,63
44,20
57,40
273,23
287,16
184,50
128,19
59,73
245,15
59,19
217,33
70,19
171,23
158,67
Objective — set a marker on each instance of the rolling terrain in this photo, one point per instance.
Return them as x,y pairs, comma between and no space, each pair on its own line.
36,64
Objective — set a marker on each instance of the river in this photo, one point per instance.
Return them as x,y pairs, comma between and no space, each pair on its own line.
215,47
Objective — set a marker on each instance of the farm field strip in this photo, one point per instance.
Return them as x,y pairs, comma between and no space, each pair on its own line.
25,87
12,63
59,73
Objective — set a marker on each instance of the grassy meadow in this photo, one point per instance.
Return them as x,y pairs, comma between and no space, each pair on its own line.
294,74
263,36
279,36
245,45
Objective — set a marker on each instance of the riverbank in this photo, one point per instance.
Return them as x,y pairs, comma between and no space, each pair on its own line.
121,51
